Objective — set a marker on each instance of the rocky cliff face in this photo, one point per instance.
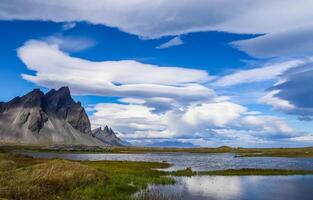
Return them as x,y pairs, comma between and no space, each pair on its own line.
107,136
61,105
51,118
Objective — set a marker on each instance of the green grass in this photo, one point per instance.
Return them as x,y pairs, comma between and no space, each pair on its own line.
130,150
55,149
127,177
183,172
240,152
23,177
242,172
265,152
26,178
290,153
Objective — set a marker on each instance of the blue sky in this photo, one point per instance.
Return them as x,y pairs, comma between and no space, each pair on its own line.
240,77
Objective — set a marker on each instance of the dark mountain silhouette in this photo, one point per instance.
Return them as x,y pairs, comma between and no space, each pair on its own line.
46,119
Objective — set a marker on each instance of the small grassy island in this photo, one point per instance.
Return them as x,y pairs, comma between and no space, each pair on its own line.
23,177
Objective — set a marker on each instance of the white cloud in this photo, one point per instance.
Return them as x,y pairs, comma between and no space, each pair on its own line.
283,20
133,120
289,91
132,101
276,102
209,121
292,93
258,74
125,78
176,41
305,138
217,114
158,18
137,116
287,43
268,124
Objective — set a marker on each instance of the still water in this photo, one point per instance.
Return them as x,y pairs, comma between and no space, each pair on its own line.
198,162
217,187
236,188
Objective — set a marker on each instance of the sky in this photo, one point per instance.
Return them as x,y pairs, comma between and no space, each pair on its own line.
201,72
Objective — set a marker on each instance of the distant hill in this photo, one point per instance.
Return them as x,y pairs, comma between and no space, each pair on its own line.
53,118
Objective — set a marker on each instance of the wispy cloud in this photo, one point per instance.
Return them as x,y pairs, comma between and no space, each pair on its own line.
111,78
68,26
268,72
285,44
293,92
154,19
176,41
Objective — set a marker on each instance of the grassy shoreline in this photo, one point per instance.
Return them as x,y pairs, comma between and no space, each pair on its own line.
23,177
242,172
256,172
240,152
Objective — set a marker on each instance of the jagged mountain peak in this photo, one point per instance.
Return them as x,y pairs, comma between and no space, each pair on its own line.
29,100
57,99
51,118
64,89
107,135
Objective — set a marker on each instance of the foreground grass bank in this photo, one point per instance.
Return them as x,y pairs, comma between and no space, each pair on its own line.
23,177
26,178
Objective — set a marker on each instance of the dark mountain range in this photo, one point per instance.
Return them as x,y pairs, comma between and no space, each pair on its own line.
107,135
46,119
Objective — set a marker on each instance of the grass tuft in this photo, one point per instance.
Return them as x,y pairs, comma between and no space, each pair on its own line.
184,172
48,180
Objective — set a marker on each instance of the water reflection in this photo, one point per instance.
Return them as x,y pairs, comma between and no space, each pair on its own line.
238,188
217,187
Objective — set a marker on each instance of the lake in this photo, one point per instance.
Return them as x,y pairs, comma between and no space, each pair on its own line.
197,161
236,188
217,187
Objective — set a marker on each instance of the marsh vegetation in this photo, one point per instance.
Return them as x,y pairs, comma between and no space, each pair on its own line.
23,177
